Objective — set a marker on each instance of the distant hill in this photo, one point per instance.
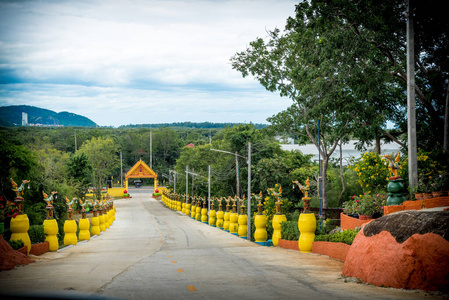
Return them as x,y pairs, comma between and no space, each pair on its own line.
202,125
11,116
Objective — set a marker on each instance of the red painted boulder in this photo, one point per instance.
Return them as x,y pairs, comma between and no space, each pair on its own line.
409,249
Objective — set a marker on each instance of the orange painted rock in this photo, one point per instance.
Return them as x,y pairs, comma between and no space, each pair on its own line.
408,250
9,258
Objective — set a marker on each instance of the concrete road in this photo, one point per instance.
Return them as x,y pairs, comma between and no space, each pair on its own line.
152,252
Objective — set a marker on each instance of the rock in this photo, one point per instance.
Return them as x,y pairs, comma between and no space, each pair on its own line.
9,257
404,224
404,250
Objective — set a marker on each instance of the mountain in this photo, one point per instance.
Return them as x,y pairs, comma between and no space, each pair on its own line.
11,116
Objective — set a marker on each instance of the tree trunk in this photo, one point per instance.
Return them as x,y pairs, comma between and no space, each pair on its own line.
378,145
446,122
341,176
324,166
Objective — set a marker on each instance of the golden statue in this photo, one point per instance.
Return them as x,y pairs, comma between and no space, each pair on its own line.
394,166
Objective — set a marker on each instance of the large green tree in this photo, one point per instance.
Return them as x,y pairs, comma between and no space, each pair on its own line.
343,64
102,154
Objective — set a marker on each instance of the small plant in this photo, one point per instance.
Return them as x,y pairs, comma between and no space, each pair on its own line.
16,245
290,231
36,233
346,237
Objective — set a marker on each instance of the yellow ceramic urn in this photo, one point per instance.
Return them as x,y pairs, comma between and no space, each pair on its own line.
193,209
101,217
220,216
84,225
212,214
204,213
260,221
226,217
306,226
233,220
243,223
19,227
278,218
95,222
198,211
187,212
70,229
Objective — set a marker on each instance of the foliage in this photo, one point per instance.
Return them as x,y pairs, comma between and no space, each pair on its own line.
345,236
366,204
290,231
16,245
36,213
102,157
8,209
325,226
36,233
371,170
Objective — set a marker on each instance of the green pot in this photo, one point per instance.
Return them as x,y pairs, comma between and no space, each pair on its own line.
395,186
395,199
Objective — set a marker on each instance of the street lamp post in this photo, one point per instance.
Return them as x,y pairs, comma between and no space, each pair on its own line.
248,161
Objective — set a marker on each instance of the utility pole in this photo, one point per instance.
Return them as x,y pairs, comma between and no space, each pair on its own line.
237,176
187,182
151,149
411,110
208,191
121,170
248,233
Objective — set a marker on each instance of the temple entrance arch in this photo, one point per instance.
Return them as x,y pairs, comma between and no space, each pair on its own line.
141,170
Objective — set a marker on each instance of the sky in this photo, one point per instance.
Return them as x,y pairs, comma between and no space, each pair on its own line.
137,62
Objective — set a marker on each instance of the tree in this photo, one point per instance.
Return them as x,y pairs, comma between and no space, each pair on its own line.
102,154
80,171
343,64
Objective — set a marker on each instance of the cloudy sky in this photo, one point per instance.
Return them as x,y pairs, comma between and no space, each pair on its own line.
137,62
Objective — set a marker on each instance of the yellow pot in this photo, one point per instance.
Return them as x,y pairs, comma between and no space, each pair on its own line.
198,213
243,226
204,215
306,226
212,219
193,212
187,212
70,232
95,229
102,226
84,234
277,220
260,235
19,227
233,223
51,230
226,217
220,221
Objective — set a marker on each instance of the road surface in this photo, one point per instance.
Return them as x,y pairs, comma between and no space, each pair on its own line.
152,252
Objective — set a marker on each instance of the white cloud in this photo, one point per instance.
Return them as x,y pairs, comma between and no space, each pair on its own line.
113,55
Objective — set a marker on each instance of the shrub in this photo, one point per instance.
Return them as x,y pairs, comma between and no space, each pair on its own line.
290,231
346,236
16,245
36,233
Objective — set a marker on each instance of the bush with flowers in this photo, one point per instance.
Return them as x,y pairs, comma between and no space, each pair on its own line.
8,209
367,204
371,170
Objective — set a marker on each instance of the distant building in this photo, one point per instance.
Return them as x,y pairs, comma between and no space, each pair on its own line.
24,119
